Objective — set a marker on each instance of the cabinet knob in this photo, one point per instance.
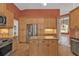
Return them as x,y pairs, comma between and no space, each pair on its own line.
47,45
43,41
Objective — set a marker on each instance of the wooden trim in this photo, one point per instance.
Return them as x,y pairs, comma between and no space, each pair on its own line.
64,15
74,9
41,12
64,33
15,10
32,12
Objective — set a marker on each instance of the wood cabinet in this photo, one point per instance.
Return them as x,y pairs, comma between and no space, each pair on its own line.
46,47
33,47
53,47
43,48
9,15
74,21
9,20
74,16
2,8
50,22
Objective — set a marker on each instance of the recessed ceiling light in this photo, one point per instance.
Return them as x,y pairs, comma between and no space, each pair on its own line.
45,4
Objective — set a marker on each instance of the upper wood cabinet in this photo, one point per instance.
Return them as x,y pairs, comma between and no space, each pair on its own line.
2,8
9,15
74,22
74,18
50,22
9,20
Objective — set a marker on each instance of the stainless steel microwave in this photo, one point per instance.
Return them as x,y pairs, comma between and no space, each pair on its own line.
2,20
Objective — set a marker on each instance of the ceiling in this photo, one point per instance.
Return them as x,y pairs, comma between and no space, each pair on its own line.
64,7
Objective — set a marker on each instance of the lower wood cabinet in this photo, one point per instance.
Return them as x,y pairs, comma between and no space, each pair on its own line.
53,47
33,47
43,47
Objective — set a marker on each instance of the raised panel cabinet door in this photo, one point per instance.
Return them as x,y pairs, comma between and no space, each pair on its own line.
21,49
33,48
53,49
43,47
9,18
2,8
50,22
53,23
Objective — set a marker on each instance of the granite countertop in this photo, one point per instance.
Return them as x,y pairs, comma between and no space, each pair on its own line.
2,44
74,38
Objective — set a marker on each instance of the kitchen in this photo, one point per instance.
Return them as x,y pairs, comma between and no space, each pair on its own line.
39,31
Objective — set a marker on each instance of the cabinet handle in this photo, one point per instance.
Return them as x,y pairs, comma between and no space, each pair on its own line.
43,41
52,41
48,45
38,45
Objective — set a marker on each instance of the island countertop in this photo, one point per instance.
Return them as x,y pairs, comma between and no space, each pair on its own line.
5,43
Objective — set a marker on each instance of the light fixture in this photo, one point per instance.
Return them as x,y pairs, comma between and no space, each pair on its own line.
50,31
3,30
45,4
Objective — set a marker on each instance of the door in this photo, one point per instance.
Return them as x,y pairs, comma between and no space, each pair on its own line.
63,29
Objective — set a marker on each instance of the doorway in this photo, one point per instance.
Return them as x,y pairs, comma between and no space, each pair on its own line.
63,29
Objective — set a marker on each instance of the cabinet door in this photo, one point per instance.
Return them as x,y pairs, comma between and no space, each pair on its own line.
9,15
50,22
2,8
53,49
9,18
43,47
22,49
33,48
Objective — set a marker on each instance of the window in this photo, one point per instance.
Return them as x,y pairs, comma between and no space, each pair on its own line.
64,28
